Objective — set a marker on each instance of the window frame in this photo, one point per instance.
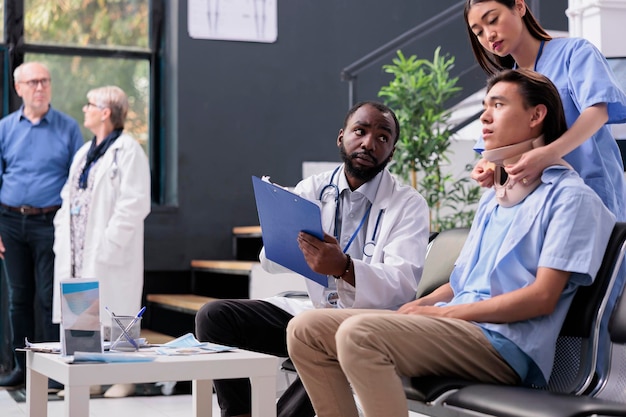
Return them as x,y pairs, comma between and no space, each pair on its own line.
13,49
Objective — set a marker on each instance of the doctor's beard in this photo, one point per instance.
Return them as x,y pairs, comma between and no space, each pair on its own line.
364,174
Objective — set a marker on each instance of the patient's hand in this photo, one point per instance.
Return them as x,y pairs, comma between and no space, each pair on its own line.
483,173
412,306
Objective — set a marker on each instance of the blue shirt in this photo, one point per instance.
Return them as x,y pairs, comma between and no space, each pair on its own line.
562,225
35,158
583,77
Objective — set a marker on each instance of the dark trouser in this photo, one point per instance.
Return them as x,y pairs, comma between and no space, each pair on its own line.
29,261
254,325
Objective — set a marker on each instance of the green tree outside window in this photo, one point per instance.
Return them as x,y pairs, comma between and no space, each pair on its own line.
94,23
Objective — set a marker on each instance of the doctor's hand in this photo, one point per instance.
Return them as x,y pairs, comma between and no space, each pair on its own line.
483,173
323,256
531,164
2,249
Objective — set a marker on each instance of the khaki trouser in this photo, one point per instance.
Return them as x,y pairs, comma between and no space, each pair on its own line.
368,350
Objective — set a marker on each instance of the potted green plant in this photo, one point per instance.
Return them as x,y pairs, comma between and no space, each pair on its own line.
418,93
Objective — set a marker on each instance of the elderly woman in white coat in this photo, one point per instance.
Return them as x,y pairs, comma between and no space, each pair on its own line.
99,228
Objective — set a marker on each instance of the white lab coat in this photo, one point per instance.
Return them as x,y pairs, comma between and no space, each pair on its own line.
113,252
387,279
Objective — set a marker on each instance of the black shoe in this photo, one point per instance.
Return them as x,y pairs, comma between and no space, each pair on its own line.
54,387
13,380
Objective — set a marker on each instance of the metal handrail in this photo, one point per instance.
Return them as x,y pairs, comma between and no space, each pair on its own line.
465,122
349,73
421,30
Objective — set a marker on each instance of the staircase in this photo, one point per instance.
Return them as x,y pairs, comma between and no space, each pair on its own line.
174,314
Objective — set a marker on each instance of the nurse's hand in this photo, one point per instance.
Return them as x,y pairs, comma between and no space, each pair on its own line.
323,256
483,173
531,165
2,249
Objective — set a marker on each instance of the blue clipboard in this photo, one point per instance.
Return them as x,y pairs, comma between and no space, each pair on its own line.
282,215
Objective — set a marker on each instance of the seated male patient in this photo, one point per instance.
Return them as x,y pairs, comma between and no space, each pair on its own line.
531,245
373,254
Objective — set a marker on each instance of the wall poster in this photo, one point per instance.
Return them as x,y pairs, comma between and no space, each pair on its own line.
233,20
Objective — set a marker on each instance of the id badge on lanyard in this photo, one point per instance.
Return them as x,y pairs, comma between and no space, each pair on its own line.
330,294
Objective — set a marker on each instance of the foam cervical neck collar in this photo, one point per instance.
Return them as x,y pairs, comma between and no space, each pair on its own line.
511,192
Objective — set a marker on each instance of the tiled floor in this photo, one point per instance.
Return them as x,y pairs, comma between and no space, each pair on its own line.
158,406
155,406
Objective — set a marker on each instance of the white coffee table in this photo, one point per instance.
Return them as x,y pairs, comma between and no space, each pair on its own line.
200,369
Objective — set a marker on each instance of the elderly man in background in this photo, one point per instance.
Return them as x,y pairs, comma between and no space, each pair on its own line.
37,144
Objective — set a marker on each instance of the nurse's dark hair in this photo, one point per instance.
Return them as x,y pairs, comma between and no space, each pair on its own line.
383,108
536,89
488,61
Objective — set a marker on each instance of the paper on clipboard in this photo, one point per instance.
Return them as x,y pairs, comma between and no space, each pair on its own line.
282,215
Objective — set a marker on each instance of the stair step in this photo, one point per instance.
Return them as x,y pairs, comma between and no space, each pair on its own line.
247,231
223,267
247,243
184,303
154,337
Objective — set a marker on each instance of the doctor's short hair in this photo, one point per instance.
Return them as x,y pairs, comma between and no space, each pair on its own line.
113,98
536,89
383,108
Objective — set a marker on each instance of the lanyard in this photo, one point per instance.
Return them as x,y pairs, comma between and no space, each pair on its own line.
367,212
539,54
536,58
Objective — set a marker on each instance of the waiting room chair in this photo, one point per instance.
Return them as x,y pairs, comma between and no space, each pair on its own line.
608,398
576,386
443,250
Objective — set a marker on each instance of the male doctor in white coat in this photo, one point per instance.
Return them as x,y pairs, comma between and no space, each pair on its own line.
376,233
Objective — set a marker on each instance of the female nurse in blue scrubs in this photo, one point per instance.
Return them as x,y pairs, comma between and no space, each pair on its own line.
505,34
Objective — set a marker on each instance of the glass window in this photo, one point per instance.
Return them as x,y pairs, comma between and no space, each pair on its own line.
87,23
1,16
88,44
73,76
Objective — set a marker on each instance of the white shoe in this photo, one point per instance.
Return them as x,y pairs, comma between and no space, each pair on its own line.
167,388
93,390
120,391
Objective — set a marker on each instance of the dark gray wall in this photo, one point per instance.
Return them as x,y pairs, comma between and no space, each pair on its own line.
237,109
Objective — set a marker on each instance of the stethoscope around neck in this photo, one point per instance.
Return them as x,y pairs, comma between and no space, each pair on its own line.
368,248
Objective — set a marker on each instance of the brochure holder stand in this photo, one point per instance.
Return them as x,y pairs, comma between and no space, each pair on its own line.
80,316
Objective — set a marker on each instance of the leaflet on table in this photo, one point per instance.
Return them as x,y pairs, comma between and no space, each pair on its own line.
43,347
55,347
188,345
283,215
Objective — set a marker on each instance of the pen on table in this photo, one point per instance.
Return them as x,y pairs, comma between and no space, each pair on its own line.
137,317
130,326
124,330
